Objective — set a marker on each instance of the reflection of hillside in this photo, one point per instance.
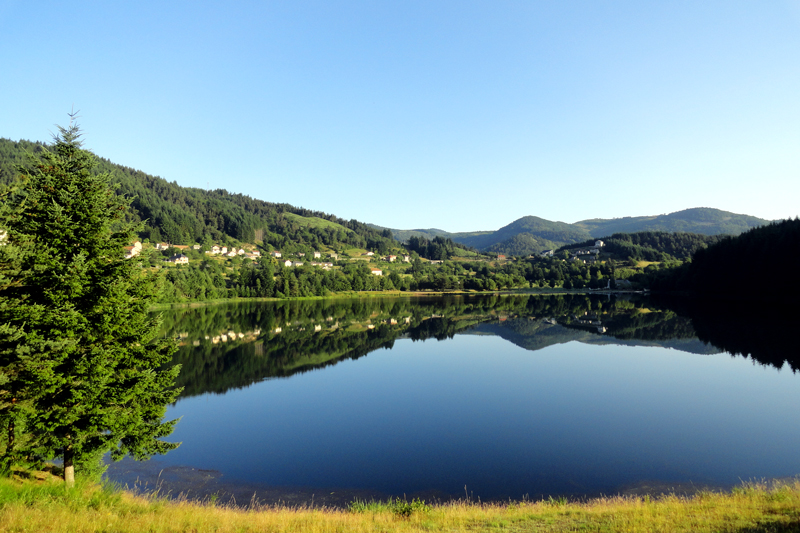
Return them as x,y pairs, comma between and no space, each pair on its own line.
764,333
234,345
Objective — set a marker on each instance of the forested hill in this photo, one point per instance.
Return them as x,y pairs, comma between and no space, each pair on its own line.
530,235
184,215
747,266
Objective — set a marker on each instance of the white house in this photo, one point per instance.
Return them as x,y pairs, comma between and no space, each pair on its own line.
179,259
599,244
287,263
317,255
376,271
275,253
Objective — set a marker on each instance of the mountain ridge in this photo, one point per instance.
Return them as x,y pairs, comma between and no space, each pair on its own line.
531,234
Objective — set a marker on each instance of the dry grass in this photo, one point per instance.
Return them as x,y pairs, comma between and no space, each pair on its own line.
46,507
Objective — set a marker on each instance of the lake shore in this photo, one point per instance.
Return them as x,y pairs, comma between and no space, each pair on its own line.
44,505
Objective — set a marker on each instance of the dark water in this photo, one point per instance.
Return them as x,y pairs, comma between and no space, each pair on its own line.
510,396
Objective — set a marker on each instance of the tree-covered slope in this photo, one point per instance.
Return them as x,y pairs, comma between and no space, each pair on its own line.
652,245
185,215
703,220
747,266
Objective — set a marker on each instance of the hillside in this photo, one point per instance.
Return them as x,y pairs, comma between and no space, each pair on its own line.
531,235
185,215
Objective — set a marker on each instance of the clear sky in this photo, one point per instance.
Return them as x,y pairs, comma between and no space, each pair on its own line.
459,115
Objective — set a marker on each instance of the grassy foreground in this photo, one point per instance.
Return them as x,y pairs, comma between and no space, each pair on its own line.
46,506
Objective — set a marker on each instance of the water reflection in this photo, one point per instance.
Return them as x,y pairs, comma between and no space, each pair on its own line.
233,346
536,395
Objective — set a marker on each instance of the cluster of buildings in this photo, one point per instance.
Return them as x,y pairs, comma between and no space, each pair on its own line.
233,252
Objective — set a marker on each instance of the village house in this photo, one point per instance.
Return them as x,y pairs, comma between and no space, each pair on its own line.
195,247
391,258
224,250
215,249
376,271
240,252
501,257
406,258
275,253
179,259
297,264
255,253
333,256
599,244
369,254
134,250
287,263
317,255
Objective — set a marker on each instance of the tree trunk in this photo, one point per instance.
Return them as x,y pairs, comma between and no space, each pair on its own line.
69,468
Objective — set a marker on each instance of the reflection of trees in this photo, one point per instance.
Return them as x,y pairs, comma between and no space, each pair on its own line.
279,339
762,332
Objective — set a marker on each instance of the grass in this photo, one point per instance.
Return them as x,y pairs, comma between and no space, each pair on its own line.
47,506
315,222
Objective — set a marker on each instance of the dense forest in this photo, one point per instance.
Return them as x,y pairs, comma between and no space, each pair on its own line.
652,245
746,266
184,215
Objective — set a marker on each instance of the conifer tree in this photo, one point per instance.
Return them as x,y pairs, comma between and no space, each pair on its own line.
81,367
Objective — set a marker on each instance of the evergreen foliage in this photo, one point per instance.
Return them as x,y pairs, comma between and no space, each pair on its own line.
79,355
652,245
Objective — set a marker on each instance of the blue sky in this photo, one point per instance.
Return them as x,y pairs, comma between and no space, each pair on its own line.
415,114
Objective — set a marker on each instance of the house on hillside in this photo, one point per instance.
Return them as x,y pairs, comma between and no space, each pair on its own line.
179,259
391,258
376,271
406,259
599,244
369,254
287,263
317,255
501,257
275,253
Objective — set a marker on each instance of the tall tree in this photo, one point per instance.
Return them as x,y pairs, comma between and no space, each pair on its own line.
81,366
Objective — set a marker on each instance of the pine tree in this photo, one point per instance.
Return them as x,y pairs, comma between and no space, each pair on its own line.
81,366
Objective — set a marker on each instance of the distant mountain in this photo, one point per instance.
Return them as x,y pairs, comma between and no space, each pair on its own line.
702,220
530,235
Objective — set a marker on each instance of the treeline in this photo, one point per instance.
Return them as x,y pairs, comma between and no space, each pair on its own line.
183,215
652,245
436,249
745,266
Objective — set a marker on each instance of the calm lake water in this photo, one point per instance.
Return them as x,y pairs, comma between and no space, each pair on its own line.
508,396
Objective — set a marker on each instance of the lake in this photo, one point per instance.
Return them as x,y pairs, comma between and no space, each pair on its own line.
492,397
